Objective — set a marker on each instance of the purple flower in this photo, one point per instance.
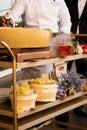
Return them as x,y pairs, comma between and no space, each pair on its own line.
69,80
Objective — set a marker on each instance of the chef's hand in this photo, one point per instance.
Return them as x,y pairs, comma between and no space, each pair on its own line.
2,21
6,21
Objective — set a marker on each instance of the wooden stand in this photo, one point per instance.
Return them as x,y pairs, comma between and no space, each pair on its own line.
9,119
25,54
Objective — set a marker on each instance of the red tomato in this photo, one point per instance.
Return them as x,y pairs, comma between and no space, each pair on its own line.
85,50
85,45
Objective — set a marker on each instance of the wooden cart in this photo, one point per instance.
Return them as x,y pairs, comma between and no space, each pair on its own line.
9,119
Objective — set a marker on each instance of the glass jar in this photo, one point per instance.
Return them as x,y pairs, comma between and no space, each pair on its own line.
64,45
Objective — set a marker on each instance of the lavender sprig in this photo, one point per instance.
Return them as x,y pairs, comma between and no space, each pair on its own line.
70,81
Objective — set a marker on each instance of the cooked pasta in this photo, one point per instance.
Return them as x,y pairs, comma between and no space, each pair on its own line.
23,90
42,80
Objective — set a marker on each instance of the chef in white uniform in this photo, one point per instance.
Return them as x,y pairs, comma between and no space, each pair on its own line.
42,14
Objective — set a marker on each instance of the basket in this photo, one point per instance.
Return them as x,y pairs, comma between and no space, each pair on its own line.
25,37
46,92
24,103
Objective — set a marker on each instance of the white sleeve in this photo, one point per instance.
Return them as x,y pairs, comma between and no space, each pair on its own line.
64,18
17,9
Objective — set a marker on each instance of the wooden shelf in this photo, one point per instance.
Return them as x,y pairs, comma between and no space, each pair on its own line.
43,112
38,62
6,109
43,105
50,113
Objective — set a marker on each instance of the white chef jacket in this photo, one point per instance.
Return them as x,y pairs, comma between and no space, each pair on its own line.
42,14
